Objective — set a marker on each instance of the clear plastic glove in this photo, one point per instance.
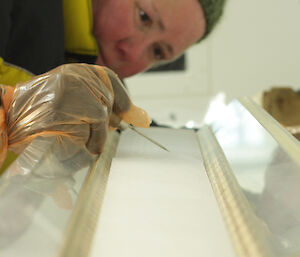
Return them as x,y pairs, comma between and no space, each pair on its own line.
76,102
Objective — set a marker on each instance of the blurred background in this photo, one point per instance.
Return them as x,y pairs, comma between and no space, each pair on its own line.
254,48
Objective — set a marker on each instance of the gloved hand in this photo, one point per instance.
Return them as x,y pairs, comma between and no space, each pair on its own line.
76,102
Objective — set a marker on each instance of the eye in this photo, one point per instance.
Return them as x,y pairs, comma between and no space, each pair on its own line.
158,53
144,17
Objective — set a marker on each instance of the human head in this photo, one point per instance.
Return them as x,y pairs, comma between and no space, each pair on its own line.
134,35
213,10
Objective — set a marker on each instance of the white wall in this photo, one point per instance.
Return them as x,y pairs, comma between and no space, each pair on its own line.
255,47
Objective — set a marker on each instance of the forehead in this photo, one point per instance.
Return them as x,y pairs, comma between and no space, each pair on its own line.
184,21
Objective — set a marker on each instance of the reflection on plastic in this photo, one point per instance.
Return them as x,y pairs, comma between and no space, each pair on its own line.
268,176
279,203
40,177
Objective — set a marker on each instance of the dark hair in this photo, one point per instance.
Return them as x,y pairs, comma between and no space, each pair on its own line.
213,10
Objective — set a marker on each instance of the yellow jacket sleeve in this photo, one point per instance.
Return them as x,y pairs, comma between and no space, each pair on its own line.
11,74
78,26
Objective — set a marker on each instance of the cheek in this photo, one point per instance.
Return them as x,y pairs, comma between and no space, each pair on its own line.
113,22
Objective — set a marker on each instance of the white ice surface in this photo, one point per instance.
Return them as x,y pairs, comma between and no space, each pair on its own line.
160,204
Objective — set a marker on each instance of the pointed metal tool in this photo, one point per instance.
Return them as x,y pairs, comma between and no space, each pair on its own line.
124,125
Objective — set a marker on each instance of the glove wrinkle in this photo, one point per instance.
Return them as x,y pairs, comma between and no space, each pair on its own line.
75,103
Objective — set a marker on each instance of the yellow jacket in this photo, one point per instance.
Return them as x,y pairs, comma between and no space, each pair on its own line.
78,40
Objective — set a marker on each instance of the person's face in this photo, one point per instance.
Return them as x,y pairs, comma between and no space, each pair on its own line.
133,35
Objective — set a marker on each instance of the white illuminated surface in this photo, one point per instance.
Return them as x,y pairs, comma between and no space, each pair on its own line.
159,203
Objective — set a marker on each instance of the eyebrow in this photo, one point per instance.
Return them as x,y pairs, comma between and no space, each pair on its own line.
160,23
162,28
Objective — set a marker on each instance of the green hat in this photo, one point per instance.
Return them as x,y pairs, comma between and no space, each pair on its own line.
213,10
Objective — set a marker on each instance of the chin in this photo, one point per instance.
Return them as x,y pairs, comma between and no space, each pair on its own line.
120,72
124,74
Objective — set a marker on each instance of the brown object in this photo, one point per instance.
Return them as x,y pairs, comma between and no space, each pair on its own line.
283,104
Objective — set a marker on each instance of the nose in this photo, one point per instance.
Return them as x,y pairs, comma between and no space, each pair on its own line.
133,48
